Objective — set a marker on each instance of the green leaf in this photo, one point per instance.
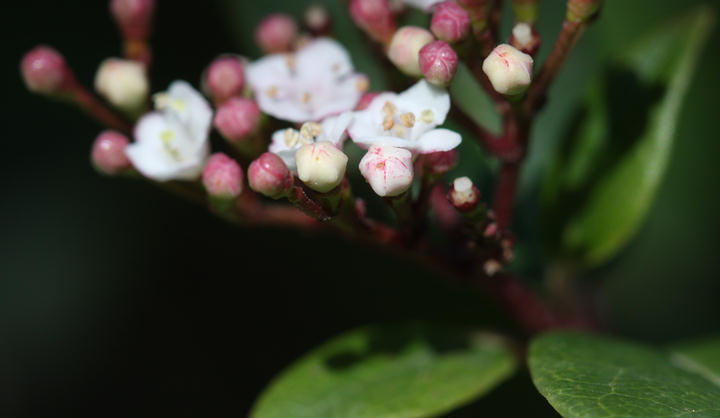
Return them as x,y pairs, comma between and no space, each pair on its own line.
472,99
396,371
590,376
702,357
600,187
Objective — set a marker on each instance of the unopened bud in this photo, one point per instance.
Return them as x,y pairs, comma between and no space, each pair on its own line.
237,118
478,12
374,17
525,10
438,63
108,152
222,177
463,194
404,49
133,17
45,71
321,166
269,176
388,170
365,100
525,38
440,162
450,22
317,20
492,267
123,83
509,70
224,78
276,33
582,10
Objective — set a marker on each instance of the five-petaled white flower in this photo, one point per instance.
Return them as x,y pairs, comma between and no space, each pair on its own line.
406,120
172,143
423,4
311,84
286,142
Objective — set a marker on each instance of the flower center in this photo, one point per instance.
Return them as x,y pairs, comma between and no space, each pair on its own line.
308,134
168,137
164,101
397,123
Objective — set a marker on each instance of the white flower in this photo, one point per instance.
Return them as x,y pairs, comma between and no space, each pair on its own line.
423,4
407,120
123,83
172,143
388,170
286,142
321,166
315,82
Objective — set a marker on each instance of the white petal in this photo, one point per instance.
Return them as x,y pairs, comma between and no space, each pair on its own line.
368,123
424,96
423,4
266,71
386,141
323,58
288,157
339,97
438,140
197,113
334,128
278,142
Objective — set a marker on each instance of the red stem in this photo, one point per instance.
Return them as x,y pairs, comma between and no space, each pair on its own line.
95,108
504,201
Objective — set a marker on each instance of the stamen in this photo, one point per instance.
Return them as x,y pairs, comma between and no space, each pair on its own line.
399,131
167,137
388,122
291,137
362,84
272,92
427,116
408,119
290,62
336,67
310,130
389,109
306,98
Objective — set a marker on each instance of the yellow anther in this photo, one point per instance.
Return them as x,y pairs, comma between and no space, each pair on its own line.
336,67
290,62
167,136
389,109
310,130
408,119
306,98
388,123
272,92
291,137
427,116
399,131
362,85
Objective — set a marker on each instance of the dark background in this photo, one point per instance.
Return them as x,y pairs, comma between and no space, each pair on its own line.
117,299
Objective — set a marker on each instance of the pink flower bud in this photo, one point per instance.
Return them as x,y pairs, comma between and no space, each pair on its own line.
317,19
509,70
45,71
582,10
224,78
276,33
440,162
525,38
365,100
237,118
269,176
463,194
450,22
388,170
374,17
108,152
404,49
222,177
133,17
438,63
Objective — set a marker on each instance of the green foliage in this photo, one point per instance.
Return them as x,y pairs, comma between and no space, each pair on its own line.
589,376
702,357
407,370
599,188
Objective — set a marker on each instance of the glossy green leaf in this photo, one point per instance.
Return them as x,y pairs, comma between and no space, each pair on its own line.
586,376
397,371
600,187
472,99
702,357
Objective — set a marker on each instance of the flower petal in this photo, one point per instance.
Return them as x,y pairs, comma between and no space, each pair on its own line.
323,58
334,128
197,113
424,96
368,123
438,140
423,4
386,141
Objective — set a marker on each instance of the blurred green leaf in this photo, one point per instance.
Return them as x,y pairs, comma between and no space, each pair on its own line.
599,188
590,376
472,99
702,357
408,370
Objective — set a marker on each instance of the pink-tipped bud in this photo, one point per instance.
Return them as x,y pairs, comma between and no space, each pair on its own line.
276,33
582,10
108,152
317,20
509,70
133,17
224,78
404,49
441,162
375,18
450,22
388,170
237,119
269,176
525,38
45,71
463,194
222,177
438,63
365,100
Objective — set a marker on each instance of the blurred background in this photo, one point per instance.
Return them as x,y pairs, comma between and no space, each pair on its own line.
119,299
